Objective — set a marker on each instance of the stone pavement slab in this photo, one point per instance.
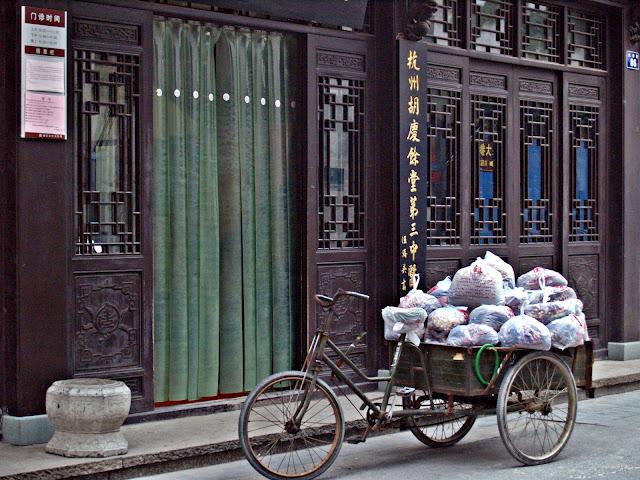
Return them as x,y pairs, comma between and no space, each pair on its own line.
195,441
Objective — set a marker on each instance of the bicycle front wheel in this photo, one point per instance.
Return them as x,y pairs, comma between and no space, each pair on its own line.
279,447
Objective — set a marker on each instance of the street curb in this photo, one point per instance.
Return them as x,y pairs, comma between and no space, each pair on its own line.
223,452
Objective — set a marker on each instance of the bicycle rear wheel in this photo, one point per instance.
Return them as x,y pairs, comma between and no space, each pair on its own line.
273,444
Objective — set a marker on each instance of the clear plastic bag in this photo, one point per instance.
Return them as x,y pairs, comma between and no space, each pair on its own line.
550,311
443,320
404,320
566,332
526,332
506,270
550,294
493,316
540,277
475,285
472,335
441,288
515,298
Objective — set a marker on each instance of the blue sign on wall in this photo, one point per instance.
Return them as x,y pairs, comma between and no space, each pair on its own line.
633,60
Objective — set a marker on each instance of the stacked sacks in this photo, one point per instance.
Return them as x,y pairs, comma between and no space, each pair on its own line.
548,310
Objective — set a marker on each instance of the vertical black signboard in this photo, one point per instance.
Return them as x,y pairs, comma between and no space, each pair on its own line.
413,157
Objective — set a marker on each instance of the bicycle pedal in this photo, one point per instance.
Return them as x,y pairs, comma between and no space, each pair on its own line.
405,391
354,440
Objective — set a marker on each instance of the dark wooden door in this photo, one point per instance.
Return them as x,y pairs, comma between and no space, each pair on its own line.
533,201
111,267
339,188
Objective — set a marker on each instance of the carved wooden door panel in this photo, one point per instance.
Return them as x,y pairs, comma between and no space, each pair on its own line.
111,334
339,179
584,190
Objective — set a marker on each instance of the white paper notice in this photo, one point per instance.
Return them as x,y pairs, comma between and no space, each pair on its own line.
44,114
45,74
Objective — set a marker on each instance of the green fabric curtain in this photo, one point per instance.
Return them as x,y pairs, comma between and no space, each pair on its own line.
223,197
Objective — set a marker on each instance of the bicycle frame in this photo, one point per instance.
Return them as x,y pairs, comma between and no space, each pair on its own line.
317,356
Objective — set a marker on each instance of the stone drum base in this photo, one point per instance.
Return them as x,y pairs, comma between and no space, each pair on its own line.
86,415
87,444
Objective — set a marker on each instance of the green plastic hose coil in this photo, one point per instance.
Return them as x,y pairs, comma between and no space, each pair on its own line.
476,364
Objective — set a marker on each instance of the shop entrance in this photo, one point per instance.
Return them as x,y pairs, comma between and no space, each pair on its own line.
516,168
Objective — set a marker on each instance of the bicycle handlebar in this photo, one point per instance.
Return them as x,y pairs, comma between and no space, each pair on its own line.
326,301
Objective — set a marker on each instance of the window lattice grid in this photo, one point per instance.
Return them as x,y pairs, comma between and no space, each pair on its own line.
541,32
444,24
492,26
443,137
488,128
341,215
584,125
107,94
585,42
536,153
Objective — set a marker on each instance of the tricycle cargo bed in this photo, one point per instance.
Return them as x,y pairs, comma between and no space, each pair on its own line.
451,369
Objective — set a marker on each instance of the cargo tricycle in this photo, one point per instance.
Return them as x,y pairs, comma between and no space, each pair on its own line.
292,424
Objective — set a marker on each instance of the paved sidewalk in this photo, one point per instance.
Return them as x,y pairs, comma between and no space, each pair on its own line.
196,441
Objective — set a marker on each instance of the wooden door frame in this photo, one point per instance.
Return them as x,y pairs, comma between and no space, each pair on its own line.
130,31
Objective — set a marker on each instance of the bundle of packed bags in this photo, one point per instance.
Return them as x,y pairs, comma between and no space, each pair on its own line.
485,304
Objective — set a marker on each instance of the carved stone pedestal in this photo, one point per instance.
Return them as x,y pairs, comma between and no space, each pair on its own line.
87,414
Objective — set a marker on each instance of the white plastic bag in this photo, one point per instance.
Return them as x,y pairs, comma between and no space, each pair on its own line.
472,335
539,278
515,298
441,290
493,316
506,270
404,320
526,332
475,285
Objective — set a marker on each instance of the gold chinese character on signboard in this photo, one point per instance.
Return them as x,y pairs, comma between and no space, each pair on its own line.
413,156
413,232
413,249
404,268
412,270
413,209
413,131
403,240
414,83
404,253
413,180
414,105
412,61
404,284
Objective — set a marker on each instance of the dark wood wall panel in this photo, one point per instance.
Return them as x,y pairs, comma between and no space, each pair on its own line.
437,270
350,313
583,276
108,327
529,263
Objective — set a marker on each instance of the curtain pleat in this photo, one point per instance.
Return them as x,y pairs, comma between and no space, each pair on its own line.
222,209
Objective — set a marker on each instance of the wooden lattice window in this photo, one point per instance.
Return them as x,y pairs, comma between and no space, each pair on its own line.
488,131
536,150
444,24
341,214
584,125
492,26
541,32
585,40
443,137
107,98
